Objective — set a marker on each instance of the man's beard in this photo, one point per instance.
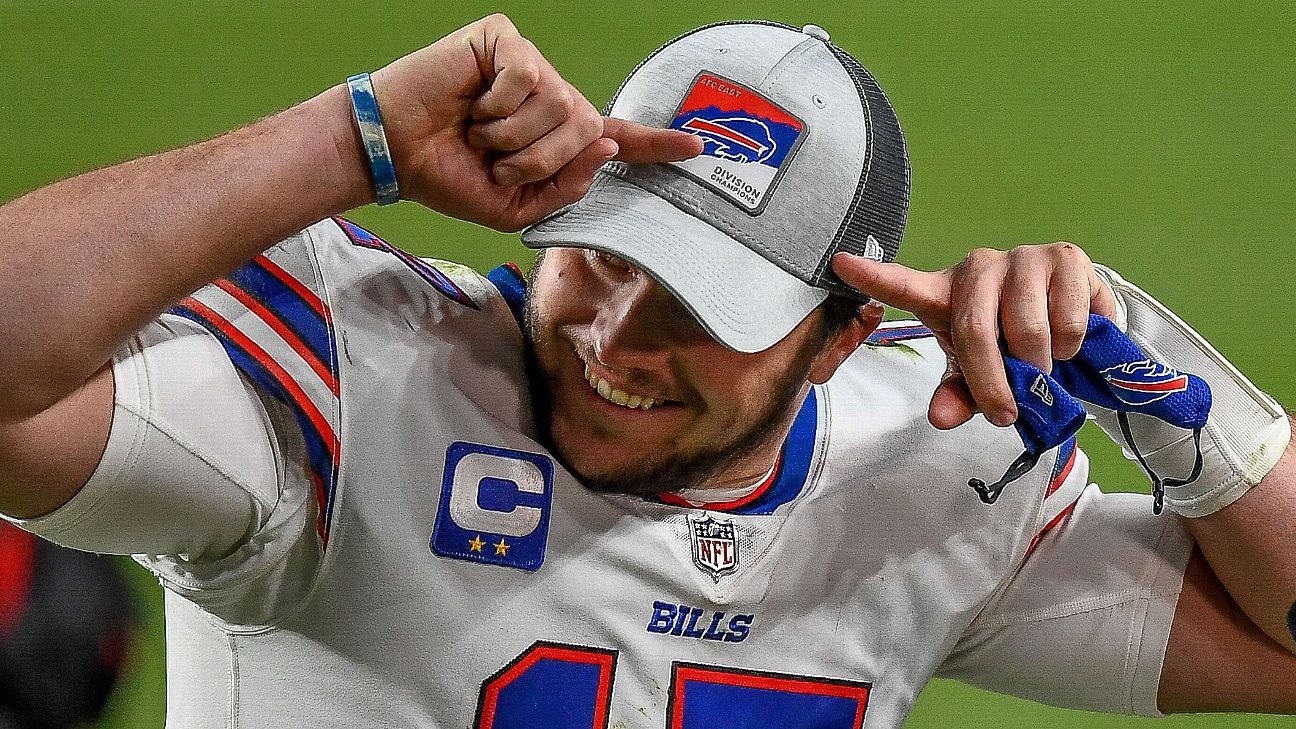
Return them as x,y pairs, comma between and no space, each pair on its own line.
678,471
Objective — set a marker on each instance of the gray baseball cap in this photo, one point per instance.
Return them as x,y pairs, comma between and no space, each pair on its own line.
803,158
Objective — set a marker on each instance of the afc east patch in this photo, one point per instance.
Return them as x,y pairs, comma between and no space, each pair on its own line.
714,545
748,140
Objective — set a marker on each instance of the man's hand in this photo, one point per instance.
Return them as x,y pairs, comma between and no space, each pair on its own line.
483,128
1035,300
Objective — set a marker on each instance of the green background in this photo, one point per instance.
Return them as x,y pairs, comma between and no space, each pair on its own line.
1160,137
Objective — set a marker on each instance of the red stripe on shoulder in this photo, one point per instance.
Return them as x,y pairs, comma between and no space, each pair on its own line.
290,337
289,280
290,385
263,357
1062,476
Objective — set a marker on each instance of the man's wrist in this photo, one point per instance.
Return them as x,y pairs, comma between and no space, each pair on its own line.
344,158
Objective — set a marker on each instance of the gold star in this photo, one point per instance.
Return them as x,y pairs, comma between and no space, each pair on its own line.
475,544
502,547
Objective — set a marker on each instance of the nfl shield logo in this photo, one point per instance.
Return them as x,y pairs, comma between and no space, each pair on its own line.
715,545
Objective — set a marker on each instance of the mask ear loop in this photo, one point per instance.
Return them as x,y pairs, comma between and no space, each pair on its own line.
1159,485
1020,467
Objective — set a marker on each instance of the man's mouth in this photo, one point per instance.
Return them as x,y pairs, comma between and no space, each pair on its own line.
618,396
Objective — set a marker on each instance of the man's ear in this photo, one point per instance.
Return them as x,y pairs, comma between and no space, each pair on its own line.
855,333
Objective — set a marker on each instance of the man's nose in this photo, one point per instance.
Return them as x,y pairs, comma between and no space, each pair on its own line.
635,330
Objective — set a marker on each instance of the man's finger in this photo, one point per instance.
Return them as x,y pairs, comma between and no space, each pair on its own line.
1025,311
515,70
642,144
538,115
1101,300
974,331
951,404
573,180
1068,310
550,153
921,292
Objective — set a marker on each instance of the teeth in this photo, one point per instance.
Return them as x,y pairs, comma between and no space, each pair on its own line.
620,397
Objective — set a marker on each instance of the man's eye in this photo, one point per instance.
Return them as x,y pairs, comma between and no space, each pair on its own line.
604,258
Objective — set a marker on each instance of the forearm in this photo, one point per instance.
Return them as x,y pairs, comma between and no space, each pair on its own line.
103,253
1249,546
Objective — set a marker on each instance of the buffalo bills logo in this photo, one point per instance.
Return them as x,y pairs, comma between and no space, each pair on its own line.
747,139
741,139
1144,382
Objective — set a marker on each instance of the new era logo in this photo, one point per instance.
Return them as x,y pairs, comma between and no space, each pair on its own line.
1040,388
873,249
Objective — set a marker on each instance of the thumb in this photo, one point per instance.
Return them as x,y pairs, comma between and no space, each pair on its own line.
920,292
951,404
639,143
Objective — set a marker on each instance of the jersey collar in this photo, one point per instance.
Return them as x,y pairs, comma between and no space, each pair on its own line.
791,472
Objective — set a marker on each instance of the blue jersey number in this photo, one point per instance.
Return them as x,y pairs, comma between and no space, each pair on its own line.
549,685
556,686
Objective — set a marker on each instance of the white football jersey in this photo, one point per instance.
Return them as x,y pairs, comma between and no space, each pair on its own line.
329,460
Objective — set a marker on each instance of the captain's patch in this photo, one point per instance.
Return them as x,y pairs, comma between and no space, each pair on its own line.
494,506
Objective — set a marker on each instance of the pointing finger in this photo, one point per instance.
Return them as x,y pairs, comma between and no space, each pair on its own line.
643,144
921,292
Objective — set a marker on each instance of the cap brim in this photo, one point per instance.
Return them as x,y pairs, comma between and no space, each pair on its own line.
746,302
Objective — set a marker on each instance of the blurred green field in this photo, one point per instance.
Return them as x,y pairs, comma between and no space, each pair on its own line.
1159,136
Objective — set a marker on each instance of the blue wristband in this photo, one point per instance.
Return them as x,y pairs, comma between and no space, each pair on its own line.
369,121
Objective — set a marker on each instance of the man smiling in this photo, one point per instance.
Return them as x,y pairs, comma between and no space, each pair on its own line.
682,476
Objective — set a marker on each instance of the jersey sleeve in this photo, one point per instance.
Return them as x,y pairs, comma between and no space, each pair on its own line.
189,468
1084,621
221,461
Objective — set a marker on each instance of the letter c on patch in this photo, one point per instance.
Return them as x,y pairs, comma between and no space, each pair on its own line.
465,494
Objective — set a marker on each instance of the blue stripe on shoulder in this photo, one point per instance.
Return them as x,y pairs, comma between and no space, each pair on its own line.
512,286
287,305
884,337
318,451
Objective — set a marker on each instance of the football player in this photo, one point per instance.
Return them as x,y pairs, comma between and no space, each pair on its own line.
680,475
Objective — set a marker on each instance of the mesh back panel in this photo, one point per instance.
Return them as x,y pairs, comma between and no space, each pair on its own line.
882,197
